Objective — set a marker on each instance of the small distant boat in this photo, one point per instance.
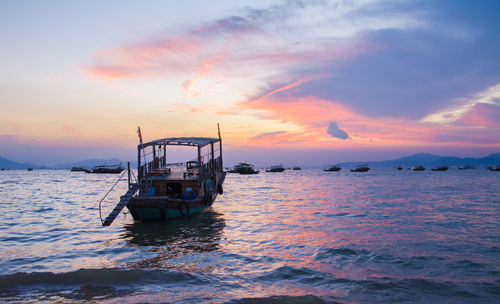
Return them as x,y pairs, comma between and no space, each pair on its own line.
76,169
361,168
112,169
466,167
333,168
244,168
418,168
30,169
277,168
400,168
494,169
297,168
442,168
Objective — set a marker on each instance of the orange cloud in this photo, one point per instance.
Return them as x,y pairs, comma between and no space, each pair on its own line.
312,116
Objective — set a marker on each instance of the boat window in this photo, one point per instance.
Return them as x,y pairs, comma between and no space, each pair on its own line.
173,190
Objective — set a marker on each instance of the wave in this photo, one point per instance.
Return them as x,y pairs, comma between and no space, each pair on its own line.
44,209
105,276
309,299
9,182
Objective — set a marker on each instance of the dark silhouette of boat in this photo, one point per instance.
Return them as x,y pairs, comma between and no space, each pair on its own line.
333,168
297,168
466,167
77,169
418,168
244,168
400,168
111,169
361,168
277,168
442,168
30,169
494,169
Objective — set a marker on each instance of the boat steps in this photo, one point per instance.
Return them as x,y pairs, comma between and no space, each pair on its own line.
121,204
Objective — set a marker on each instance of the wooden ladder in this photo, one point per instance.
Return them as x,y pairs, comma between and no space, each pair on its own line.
121,204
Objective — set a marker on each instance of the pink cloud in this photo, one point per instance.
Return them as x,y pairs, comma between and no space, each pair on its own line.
281,89
145,59
229,47
314,115
204,68
482,115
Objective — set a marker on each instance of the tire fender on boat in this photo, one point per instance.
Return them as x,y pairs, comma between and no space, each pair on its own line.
183,208
219,189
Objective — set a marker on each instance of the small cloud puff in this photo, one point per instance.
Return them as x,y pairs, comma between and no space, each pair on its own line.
335,131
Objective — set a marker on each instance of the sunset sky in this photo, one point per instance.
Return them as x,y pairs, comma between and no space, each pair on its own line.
298,82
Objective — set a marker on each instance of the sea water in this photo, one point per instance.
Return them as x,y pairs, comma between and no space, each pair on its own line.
294,237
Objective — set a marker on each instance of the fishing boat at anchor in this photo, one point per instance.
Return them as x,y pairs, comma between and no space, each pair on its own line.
113,169
332,168
168,190
244,168
276,168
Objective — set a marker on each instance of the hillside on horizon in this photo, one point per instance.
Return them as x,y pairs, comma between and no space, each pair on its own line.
419,159
430,160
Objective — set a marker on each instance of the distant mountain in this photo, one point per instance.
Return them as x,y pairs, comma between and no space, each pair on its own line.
10,164
430,161
91,163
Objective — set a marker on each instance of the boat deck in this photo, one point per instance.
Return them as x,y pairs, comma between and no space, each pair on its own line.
174,172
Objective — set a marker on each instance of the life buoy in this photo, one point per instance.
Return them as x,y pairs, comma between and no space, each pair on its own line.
183,208
219,189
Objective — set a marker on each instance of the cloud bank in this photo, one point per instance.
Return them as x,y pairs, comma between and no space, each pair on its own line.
392,73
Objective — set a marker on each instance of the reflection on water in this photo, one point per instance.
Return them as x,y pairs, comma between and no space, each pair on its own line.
303,236
200,232
166,241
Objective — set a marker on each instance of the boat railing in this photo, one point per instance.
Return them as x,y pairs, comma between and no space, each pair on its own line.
109,191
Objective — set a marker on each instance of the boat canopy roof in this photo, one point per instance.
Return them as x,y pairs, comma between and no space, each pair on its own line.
182,141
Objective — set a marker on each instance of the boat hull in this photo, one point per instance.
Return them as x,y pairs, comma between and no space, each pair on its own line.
333,169
162,209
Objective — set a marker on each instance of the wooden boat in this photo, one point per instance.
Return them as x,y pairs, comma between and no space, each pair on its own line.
277,168
169,190
361,168
418,168
111,169
442,168
77,169
466,167
333,168
244,168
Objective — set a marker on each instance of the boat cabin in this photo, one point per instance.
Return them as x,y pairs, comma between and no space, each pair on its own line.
181,180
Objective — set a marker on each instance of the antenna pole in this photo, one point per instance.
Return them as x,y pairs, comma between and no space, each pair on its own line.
220,147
